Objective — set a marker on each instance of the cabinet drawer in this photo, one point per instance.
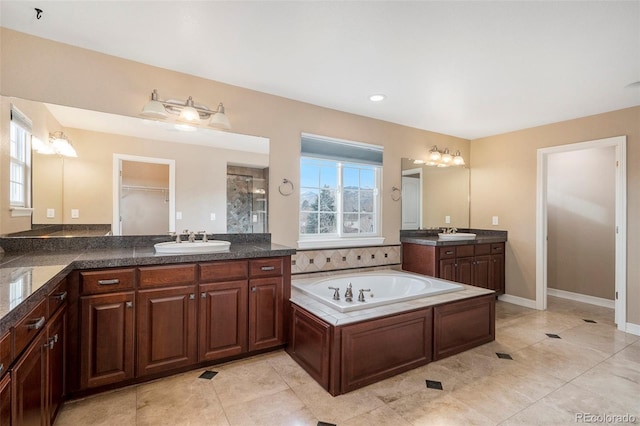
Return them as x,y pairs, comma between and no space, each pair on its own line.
447,252
107,280
482,249
224,271
497,248
5,353
265,268
29,326
57,297
465,251
158,276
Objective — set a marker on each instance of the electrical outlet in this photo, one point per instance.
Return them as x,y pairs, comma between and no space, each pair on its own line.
255,218
51,213
447,219
179,215
213,216
494,220
75,213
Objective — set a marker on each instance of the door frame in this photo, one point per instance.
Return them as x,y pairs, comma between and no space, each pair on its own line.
419,172
116,225
620,145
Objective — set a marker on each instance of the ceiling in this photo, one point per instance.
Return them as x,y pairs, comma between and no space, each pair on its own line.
469,69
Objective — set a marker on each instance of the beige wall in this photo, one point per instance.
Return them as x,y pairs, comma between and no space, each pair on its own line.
503,184
581,221
38,69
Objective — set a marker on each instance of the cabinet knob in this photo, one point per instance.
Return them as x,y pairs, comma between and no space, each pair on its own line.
254,289
60,296
203,295
129,304
192,296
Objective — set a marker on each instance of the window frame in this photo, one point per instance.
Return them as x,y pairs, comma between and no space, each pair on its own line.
20,156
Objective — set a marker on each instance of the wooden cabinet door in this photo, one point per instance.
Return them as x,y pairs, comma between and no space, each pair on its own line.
481,266
28,381
448,269
496,273
166,331
107,338
310,345
464,270
223,316
56,362
265,313
5,400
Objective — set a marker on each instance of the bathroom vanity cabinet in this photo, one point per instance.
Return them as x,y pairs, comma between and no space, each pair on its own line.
145,322
480,265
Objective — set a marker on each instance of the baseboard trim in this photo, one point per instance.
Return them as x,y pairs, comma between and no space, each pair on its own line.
632,328
527,303
584,298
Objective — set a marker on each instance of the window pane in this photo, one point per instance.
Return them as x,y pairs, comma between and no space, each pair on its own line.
366,201
327,200
367,223
327,223
309,174
329,177
350,177
367,179
349,201
309,199
350,223
308,223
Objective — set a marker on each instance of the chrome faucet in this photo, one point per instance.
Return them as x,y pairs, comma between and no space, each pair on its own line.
192,236
204,236
450,230
336,293
361,295
348,294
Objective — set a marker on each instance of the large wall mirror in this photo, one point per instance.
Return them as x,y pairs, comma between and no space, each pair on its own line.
134,176
434,197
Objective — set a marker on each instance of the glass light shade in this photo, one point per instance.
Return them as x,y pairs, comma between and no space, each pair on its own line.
189,113
444,164
446,157
458,160
418,162
219,120
41,147
434,154
63,147
154,109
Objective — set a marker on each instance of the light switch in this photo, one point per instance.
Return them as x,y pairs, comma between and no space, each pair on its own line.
213,216
51,213
494,220
255,218
447,219
179,215
75,213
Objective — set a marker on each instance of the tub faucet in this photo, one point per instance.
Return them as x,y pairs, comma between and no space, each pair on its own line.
348,294
361,295
336,293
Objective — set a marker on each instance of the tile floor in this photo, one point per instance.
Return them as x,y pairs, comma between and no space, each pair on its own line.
591,369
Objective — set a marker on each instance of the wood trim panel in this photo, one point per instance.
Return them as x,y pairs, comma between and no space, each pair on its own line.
419,259
166,275
458,326
107,280
268,267
224,271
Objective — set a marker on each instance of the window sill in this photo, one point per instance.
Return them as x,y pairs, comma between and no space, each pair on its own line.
340,242
21,211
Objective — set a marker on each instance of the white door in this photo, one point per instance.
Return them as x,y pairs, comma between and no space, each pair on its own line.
411,199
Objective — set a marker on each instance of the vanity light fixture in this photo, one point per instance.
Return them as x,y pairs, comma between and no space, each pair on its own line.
187,111
61,144
443,158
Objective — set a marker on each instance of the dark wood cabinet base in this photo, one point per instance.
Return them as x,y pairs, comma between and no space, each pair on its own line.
345,358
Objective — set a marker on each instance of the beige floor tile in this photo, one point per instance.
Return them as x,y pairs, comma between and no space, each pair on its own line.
183,399
117,407
445,410
282,409
380,416
337,409
289,370
246,380
601,337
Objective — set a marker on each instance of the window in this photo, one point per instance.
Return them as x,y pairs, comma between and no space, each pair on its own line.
339,192
19,159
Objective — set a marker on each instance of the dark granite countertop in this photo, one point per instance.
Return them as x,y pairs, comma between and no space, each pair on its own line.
430,237
26,276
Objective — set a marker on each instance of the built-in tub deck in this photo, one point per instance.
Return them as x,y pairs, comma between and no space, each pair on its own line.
344,351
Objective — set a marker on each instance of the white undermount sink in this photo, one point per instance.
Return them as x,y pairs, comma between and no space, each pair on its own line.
457,236
196,247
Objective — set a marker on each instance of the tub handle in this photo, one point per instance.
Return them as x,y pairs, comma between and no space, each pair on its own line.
336,292
361,294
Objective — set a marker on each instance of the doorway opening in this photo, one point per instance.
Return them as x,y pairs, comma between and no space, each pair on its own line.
412,199
143,196
592,216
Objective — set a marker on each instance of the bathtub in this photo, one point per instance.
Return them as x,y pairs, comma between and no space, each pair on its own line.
386,287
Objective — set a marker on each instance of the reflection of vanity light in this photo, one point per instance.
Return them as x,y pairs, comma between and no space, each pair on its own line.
418,162
259,191
61,144
187,111
42,147
443,158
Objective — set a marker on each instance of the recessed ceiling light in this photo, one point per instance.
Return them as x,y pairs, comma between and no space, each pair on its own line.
377,98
